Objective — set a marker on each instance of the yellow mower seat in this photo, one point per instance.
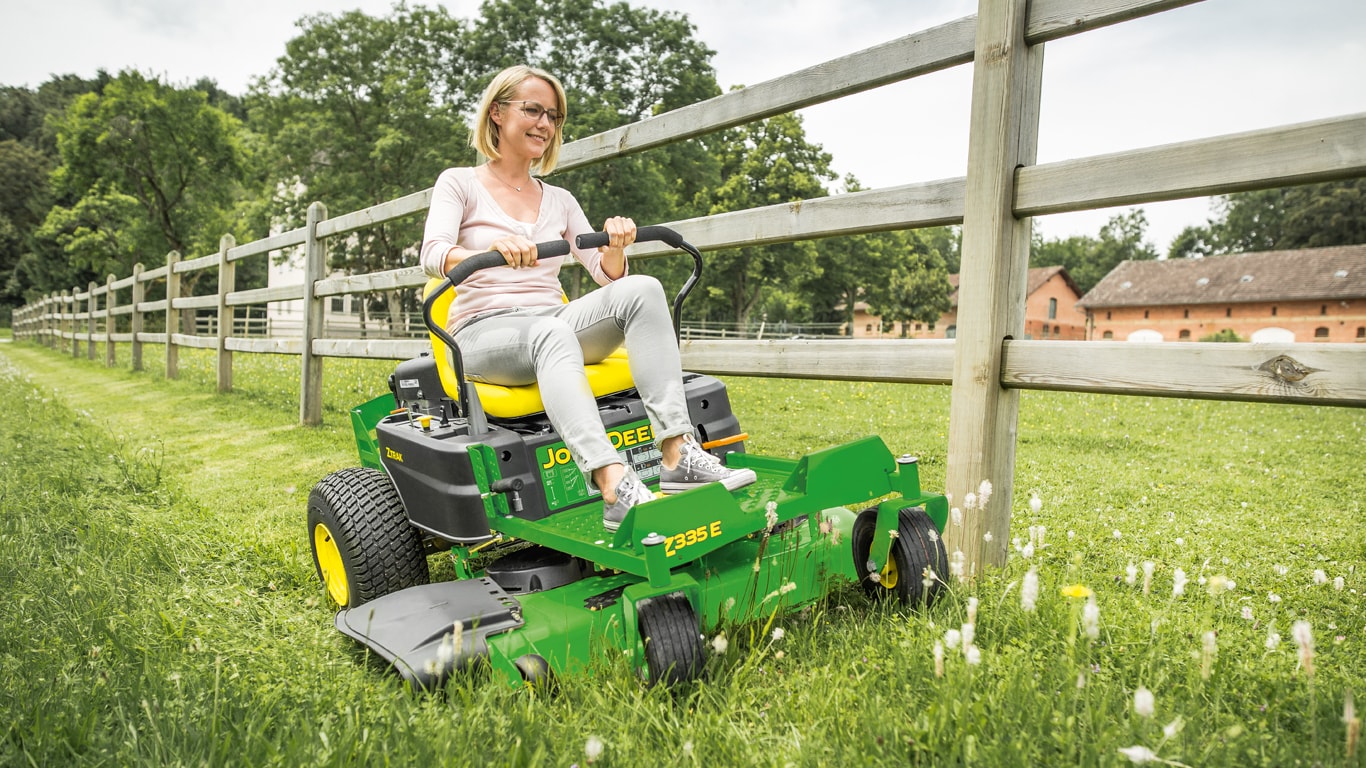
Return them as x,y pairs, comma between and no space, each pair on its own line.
611,375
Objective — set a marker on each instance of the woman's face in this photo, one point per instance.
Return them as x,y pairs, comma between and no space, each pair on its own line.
519,134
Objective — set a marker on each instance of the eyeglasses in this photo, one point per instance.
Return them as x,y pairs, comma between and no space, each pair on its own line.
533,110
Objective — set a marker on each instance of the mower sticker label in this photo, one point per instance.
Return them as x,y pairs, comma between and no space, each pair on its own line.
564,484
390,453
690,537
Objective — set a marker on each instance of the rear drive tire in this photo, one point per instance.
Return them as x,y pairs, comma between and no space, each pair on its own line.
363,545
673,644
918,546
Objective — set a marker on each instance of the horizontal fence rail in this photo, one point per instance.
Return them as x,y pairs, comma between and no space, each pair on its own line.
1004,43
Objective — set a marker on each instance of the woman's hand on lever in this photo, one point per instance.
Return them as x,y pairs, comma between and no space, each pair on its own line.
621,232
519,251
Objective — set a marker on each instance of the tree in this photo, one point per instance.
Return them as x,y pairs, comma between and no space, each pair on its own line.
361,110
1088,259
1307,216
764,163
917,290
165,149
23,203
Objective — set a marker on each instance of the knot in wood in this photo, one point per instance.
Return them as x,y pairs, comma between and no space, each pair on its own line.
1286,368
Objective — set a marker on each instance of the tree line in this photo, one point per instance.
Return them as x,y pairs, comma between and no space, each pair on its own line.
98,174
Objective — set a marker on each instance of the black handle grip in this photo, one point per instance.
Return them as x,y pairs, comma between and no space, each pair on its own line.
507,484
471,264
643,235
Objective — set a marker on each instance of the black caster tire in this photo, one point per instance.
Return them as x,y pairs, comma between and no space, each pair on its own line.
673,644
918,546
363,545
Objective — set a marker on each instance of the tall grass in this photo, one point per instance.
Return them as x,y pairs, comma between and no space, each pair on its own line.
159,605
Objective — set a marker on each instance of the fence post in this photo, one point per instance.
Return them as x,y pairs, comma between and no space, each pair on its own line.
69,303
110,301
90,322
315,268
227,279
172,315
54,337
139,295
983,416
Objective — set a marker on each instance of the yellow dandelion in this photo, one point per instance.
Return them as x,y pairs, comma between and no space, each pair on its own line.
1076,590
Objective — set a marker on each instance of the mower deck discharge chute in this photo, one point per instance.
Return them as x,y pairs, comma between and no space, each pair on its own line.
541,587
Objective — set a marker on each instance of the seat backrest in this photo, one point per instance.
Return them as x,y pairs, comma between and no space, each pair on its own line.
608,377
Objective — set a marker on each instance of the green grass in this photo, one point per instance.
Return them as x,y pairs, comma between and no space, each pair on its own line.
159,604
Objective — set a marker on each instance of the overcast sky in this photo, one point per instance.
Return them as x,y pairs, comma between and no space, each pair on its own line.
1220,66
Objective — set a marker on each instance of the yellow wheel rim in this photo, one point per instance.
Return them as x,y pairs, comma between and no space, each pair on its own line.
889,574
330,565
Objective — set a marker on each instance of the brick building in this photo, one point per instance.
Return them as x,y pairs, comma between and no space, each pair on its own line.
1050,312
1314,294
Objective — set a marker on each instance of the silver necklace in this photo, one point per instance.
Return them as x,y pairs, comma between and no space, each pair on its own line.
506,183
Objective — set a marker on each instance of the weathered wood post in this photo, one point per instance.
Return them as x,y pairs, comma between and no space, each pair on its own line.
69,320
172,315
227,279
139,294
315,268
90,303
110,301
983,416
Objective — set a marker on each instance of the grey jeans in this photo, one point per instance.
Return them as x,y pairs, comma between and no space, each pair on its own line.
550,345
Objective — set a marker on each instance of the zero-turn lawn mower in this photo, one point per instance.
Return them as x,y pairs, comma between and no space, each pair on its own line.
540,588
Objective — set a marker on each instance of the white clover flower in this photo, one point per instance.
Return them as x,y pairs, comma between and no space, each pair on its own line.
1273,638
1171,729
929,578
1178,582
987,537
1029,591
1217,585
1116,533
1027,551
1035,503
956,515
1272,597
1339,583
778,634
952,638
1247,613
592,749
1209,650
983,494
1143,702
1320,577
719,644
972,610
973,655
1090,619
970,500
956,563
938,659
1139,755
1131,574
969,633
1304,639
1282,570
1180,542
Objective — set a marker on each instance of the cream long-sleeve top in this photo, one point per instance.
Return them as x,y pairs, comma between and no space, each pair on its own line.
464,214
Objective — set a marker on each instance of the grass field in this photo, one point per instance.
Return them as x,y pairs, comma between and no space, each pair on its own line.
159,604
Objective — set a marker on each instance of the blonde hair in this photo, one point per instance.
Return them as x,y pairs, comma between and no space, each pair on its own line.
503,88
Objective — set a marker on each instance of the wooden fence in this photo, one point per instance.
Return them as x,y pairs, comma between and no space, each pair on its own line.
987,365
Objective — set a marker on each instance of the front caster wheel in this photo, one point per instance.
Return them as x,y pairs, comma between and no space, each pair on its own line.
917,549
673,644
